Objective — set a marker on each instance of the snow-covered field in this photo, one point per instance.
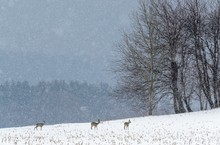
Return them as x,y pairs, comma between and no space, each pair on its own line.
199,128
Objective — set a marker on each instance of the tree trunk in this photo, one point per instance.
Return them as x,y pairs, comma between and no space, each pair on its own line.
187,105
176,95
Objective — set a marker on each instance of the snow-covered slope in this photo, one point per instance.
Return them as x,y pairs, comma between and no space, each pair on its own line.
199,128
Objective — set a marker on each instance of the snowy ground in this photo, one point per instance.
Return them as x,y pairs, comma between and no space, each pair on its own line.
199,128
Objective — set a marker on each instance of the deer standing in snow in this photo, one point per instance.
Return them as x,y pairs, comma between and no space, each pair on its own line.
39,125
95,124
126,124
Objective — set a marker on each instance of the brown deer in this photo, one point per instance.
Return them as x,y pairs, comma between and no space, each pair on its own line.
126,124
95,124
39,125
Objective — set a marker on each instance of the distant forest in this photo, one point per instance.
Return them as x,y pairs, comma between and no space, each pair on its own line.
58,102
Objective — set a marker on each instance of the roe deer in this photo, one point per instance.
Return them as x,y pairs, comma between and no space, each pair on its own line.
126,124
95,124
39,125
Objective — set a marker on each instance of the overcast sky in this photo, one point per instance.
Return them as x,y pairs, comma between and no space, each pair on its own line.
61,39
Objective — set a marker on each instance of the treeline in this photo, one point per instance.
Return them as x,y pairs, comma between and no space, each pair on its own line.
172,55
57,102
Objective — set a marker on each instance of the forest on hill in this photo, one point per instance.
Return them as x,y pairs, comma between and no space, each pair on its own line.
58,102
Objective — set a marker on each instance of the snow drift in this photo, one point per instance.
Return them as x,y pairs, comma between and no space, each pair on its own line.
183,129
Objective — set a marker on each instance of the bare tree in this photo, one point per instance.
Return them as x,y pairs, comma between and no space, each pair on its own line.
139,66
173,36
213,50
196,24
172,52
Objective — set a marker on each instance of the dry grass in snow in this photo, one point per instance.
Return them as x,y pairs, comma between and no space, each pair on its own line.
199,128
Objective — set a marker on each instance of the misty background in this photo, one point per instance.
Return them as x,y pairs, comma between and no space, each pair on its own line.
67,40
55,58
